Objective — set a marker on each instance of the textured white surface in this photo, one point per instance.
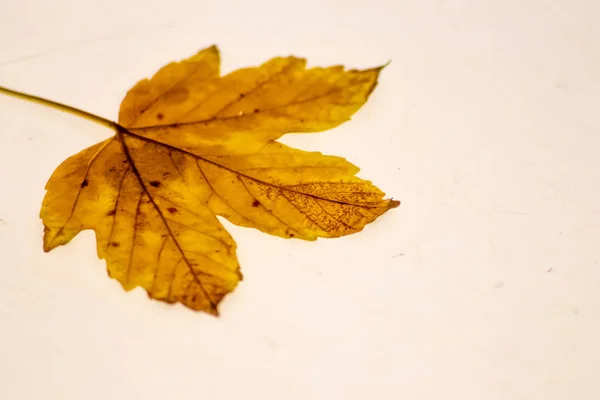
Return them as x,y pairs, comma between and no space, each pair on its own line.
484,284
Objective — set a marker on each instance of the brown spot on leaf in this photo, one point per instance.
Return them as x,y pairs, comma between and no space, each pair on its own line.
84,183
256,110
172,210
155,184
114,244
255,203
176,96
160,116
111,212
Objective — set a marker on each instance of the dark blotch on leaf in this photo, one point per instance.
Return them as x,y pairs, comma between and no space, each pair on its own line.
84,183
155,184
114,244
255,203
160,116
111,212
172,210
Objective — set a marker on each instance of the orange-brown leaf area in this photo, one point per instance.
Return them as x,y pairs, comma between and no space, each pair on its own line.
191,145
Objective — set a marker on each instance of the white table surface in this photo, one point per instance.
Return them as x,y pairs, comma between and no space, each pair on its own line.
483,285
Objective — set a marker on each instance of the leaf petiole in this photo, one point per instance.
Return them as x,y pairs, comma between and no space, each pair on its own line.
61,107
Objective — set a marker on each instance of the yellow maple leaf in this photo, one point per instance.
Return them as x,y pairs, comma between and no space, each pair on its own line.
191,144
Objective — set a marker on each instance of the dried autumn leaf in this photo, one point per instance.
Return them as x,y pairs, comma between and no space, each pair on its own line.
191,144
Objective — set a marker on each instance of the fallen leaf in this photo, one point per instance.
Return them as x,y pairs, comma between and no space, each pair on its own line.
191,144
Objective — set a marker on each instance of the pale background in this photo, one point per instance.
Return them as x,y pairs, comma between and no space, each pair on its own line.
483,285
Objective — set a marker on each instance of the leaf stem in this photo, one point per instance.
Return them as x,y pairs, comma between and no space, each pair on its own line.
61,107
